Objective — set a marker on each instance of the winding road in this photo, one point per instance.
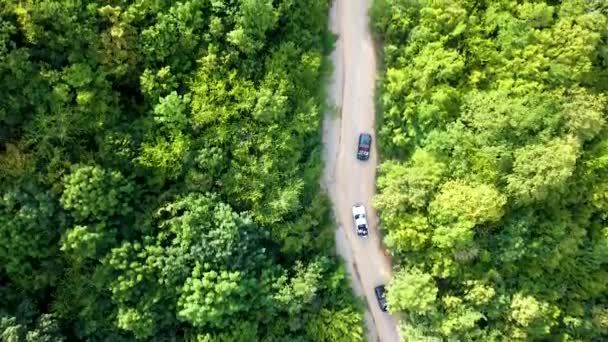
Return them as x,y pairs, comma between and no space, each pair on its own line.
348,180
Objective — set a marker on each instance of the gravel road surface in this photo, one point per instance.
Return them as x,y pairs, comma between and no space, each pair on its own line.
348,180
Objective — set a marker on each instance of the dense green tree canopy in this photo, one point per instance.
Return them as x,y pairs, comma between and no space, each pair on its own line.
159,166
491,192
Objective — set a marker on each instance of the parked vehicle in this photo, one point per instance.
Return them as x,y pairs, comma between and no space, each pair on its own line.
360,219
381,296
364,147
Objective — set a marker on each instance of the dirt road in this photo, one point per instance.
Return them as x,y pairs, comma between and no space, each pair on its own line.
347,179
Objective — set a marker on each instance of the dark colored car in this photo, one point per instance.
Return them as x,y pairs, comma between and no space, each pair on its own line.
381,295
365,146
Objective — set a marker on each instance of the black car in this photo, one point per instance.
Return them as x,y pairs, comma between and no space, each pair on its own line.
381,295
365,146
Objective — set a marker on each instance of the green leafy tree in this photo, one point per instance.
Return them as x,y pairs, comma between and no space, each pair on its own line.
301,289
254,19
94,193
493,167
10,330
539,170
535,318
583,114
46,330
409,185
341,326
412,289
86,242
29,224
210,297
115,119
459,207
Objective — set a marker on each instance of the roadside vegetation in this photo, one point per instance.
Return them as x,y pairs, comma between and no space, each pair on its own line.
159,173
493,190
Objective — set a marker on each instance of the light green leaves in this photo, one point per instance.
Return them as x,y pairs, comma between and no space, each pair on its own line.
172,112
91,192
255,18
535,317
539,170
138,321
403,188
86,242
493,180
584,114
467,204
406,234
409,186
300,289
459,207
538,15
435,65
115,119
344,325
208,297
412,290
156,85
10,330
81,242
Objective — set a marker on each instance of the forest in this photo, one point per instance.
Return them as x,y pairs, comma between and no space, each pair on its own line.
159,173
493,192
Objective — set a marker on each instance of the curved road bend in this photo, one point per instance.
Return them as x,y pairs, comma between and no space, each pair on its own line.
346,179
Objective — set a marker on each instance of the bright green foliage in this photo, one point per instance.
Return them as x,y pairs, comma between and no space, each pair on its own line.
583,114
339,326
458,208
93,193
491,190
159,167
255,17
86,242
165,155
459,203
534,318
10,330
172,112
412,290
210,296
409,185
242,332
45,329
542,170
81,242
301,288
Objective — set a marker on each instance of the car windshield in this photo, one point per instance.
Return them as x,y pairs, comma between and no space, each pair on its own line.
365,139
358,216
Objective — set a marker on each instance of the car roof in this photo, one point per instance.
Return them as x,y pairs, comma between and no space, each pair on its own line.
358,209
365,137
